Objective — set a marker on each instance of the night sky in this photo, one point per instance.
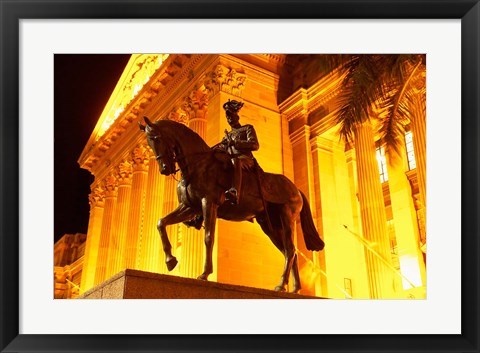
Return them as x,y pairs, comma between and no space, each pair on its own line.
82,86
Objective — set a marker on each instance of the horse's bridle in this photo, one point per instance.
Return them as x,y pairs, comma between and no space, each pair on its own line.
175,158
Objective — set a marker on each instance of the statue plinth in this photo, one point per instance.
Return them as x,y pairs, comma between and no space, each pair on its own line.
133,284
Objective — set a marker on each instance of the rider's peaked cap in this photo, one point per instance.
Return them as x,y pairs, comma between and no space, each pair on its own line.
233,106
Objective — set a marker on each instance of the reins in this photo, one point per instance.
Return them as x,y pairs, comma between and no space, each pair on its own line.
180,158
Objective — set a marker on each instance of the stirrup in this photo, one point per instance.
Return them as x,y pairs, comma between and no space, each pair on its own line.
195,222
232,195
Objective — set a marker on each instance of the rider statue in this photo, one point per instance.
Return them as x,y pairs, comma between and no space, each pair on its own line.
239,144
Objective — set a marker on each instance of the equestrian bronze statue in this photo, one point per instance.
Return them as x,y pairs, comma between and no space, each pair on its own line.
239,144
215,184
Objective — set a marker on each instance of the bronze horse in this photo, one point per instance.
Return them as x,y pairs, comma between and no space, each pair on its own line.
205,175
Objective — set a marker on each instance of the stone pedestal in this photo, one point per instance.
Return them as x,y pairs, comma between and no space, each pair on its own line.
133,284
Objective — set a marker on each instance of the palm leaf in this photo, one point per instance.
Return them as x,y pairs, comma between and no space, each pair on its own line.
399,104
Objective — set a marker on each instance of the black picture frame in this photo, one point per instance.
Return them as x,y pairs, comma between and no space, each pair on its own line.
13,11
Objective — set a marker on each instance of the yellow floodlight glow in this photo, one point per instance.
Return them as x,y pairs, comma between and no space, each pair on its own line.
139,70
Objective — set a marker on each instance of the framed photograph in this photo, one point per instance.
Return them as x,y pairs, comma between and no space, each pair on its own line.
41,41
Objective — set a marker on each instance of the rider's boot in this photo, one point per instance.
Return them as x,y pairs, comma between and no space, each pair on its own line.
195,222
233,194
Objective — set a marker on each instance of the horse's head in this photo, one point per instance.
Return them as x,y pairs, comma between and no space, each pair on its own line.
161,145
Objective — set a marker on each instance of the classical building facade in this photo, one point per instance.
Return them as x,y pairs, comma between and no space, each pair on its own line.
370,213
68,265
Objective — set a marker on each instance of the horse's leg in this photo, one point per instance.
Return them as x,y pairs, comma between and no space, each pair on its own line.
210,218
278,239
180,214
289,249
296,276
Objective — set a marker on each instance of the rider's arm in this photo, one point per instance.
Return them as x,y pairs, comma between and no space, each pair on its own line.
251,143
223,145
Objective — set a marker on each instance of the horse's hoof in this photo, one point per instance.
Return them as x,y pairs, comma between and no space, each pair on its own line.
280,289
203,277
171,263
296,291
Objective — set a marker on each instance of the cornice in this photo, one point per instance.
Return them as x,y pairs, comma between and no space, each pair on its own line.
306,100
301,135
185,73
323,125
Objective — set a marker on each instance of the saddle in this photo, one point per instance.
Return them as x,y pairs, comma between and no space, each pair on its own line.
274,187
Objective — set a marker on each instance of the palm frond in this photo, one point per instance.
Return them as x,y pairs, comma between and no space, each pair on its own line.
399,104
329,63
362,86
386,82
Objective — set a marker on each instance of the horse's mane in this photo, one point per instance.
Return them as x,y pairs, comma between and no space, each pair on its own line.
182,132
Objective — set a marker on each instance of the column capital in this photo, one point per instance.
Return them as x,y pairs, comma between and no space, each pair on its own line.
140,158
110,185
124,173
225,79
178,114
96,197
195,105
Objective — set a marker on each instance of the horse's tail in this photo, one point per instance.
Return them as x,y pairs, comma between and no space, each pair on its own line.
310,234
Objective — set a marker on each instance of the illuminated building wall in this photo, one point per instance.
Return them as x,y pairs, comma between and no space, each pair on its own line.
373,231
68,265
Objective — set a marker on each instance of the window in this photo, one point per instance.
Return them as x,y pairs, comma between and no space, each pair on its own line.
382,164
347,284
412,164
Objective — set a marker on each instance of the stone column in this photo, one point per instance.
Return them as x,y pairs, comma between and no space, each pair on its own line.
405,222
344,257
110,186
418,126
196,107
140,156
116,255
351,159
304,180
152,257
96,199
373,215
